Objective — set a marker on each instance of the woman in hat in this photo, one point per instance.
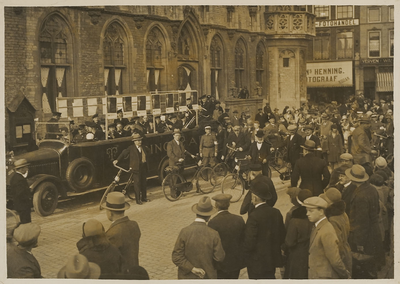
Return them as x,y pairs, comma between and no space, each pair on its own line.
335,146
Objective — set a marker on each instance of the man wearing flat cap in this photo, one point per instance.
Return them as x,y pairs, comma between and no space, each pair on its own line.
231,231
53,128
360,142
198,246
20,193
123,233
20,261
365,237
313,171
324,261
120,118
264,235
137,155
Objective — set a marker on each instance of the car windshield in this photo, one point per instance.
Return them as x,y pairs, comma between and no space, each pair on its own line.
50,131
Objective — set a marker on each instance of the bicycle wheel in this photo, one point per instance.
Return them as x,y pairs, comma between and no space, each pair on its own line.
109,189
206,180
233,185
129,188
278,160
168,186
220,171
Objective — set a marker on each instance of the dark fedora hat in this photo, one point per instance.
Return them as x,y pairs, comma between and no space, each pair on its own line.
204,207
261,189
260,134
309,145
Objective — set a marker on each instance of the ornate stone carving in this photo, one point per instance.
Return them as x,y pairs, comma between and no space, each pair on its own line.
187,10
230,9
283,8
286,53
253,11
297,22
138,21
269,22
94,16
175,28
231,34
253,37
206,30
283,23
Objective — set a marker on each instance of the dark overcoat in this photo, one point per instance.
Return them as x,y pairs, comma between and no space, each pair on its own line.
125,235
294,149
231,230
175,152
20,192
264,235
21,264
241,141
314,174
335,148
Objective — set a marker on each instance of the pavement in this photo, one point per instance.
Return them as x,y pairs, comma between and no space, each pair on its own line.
160,222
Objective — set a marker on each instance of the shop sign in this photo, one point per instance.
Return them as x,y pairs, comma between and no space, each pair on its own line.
330,74
337,23
372,61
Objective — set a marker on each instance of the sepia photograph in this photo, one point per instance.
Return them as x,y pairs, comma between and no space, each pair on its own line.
166,142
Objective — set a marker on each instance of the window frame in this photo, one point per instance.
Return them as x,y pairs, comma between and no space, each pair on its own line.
380,43
337,43
352,16
390,14
322,18
328,35
380,14
390,32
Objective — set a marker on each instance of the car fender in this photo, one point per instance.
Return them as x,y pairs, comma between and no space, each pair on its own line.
37,179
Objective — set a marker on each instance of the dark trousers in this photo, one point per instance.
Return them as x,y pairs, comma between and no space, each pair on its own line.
24,216
140,183
228,274
260,275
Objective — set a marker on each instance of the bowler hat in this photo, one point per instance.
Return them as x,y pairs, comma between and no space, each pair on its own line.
204,207
78,267
92,227
261,189
315,202
346,156
136,137
115,201
21,163
357,173
260,134
26,234
380,162
222,197
308,145
331,195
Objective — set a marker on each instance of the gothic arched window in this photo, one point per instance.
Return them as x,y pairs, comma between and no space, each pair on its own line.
216,65
154,53
259,68
240,59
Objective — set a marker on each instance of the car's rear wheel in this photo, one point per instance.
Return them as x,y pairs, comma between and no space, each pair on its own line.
80,174
45,198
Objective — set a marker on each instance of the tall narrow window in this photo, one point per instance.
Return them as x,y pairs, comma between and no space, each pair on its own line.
322,46
344,45
114,62
216,65
54,45
391,43
259,68
391,14
154,52
321,12
374,14
240,65
374,44
344,12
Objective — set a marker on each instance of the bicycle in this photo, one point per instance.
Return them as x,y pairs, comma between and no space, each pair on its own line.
235,183
276,158
222,169
174,184
128,189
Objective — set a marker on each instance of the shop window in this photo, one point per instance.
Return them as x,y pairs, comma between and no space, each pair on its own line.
345,45
374,44
321,12
322,46
54,46
391,14
345,12
154,51
374,14
114,62
391,43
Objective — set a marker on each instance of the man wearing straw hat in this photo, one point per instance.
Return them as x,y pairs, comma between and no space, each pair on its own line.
138,163
198,246
20,192
78,267
123,233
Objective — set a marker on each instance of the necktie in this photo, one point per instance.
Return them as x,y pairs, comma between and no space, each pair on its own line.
143,155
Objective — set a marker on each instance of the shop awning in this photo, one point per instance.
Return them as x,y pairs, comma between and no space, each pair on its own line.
384,82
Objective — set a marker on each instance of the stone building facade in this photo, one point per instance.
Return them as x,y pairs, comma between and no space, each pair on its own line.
53,52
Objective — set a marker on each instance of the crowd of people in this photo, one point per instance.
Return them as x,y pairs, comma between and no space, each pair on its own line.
340,225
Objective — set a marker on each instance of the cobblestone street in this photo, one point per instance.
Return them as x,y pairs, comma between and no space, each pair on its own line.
160,222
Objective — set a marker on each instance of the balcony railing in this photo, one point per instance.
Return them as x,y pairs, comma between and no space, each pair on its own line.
288,22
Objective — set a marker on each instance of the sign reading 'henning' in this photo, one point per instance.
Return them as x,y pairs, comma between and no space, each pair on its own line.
330,74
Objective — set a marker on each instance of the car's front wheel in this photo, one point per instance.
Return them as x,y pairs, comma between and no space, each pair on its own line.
45,198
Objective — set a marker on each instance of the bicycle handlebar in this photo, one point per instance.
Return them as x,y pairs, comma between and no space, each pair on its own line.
233,149
122,169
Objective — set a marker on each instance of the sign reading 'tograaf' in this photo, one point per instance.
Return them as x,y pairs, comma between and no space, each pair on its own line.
330,74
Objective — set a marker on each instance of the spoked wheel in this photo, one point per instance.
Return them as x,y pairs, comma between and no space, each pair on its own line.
109,189
129,189
206,180
278,160
233,185
169,186
221,170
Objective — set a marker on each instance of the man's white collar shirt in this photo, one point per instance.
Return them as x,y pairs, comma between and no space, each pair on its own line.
259,204
25,175
259,145
200,220
316,223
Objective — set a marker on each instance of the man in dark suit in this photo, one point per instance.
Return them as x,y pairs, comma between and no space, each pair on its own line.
120,118
237,139
308,129
120,131
198,246
231,230
259,152
20,261
53,128
294,142
123,233
261,117
264,235
20,192
312,170
138,163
